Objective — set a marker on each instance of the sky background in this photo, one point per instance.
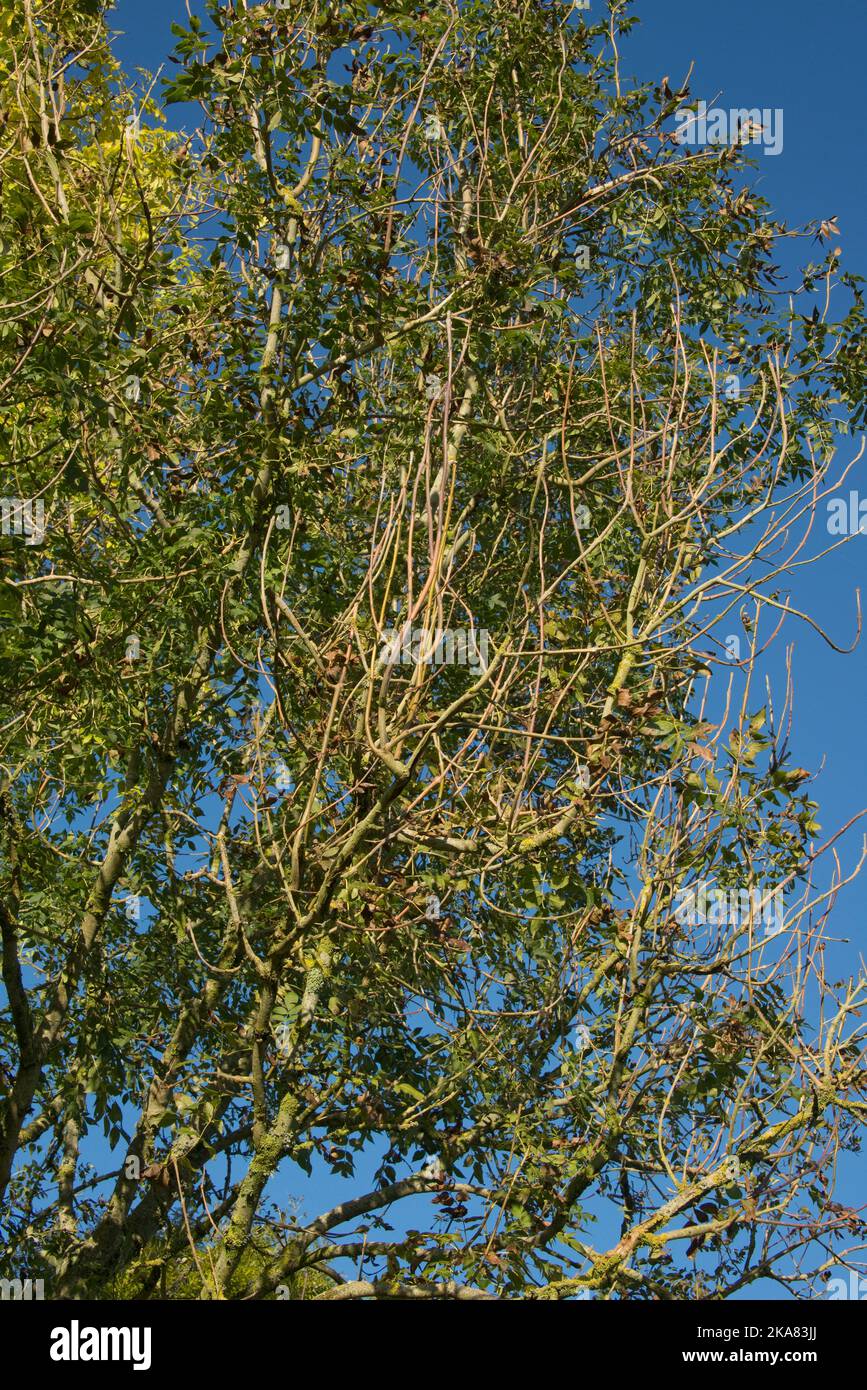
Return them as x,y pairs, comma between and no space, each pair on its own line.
807,59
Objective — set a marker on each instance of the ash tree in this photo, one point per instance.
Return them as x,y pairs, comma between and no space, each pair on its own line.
425,439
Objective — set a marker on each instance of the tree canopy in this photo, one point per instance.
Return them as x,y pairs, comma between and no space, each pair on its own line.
412,428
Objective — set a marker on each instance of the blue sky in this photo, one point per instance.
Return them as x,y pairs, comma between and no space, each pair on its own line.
808,60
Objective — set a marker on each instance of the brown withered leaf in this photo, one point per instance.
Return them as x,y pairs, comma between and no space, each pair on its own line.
697,751
157,1173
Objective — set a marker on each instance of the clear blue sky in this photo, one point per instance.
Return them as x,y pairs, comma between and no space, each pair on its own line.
808,59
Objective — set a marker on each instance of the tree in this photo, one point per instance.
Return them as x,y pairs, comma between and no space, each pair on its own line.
407,436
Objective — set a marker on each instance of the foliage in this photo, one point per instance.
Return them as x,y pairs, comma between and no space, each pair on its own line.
330,364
